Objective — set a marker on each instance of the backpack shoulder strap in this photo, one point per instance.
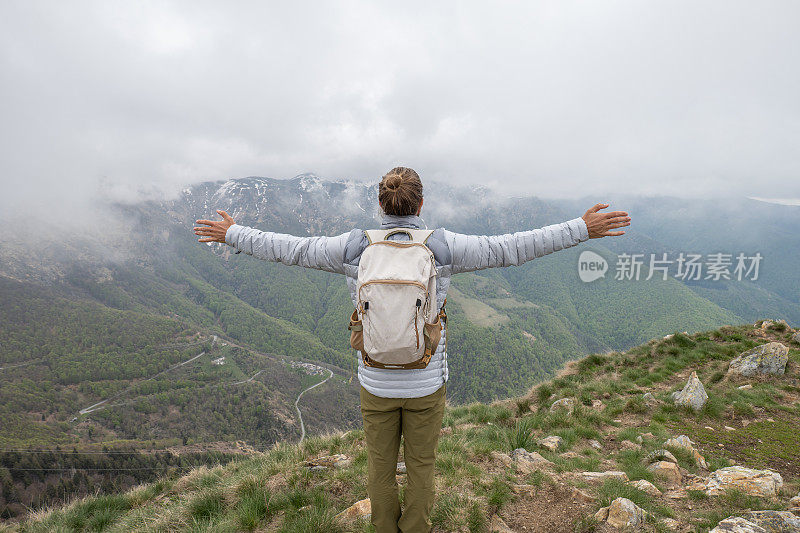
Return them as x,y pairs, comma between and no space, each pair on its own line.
415,235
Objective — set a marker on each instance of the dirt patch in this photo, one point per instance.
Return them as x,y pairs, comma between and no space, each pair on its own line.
551,509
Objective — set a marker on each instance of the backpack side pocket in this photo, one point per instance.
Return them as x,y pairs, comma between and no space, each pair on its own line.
433,334
356,332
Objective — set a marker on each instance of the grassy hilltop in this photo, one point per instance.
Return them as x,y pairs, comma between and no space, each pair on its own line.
484,485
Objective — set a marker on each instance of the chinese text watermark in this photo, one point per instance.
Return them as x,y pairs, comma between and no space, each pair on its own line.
683,266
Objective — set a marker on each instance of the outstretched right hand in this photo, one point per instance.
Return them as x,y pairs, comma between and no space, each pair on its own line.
601,224
217,230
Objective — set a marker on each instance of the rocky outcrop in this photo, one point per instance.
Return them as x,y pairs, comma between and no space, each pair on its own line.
682,441
767,359
776,325
796,337
666,470
774,521
599,477
764,483
657,455
360,509
646,487
329,461
564,404
622,514
735,524
528,462
693,394
794,505
502,458
552,443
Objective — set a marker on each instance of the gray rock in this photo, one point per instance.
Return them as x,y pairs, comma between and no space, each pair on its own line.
502,458
735,524
566,404
693,394
528,462
622,514
658,455
329,461
401,467
766,359
667,470
796,337
762,483
649,399
682,441
775,521
599,477
552,443
645,486
595,444
794,505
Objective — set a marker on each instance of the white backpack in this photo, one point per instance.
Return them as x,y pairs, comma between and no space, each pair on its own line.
396,323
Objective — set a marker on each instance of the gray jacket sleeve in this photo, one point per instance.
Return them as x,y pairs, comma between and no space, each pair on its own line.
476,252
321,253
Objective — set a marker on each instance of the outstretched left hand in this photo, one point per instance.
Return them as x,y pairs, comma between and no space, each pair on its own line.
217,230
600,224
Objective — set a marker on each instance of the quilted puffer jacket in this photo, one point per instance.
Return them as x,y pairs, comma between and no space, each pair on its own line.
453,252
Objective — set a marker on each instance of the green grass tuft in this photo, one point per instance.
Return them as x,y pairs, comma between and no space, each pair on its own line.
207,505
521,436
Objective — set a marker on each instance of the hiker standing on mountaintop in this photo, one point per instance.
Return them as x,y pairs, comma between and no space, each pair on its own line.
408,401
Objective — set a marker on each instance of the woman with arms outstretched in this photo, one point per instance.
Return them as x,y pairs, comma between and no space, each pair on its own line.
408,402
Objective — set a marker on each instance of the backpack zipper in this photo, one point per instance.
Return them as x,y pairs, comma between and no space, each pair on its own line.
392,282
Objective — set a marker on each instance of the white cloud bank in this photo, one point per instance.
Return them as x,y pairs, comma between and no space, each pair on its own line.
557,99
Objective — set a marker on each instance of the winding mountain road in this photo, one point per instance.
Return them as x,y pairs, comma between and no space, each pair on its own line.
297,401
275,357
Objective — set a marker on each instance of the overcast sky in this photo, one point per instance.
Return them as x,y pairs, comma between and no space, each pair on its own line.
555,99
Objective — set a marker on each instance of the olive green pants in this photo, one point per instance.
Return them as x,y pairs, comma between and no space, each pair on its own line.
419,421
